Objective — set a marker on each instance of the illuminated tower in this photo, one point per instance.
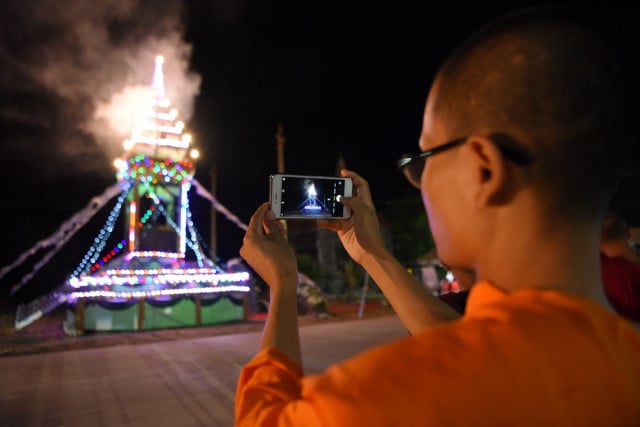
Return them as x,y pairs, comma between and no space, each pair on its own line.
158,164
148,272
144,280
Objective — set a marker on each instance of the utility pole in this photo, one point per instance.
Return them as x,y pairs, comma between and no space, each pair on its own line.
214,229
280,139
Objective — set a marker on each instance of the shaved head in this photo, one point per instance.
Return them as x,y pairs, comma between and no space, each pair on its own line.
554,83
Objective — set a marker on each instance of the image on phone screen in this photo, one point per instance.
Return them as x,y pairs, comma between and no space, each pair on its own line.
311,197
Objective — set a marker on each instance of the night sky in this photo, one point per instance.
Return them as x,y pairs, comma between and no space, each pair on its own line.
344,78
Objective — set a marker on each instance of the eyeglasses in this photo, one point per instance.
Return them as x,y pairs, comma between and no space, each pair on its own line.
412,165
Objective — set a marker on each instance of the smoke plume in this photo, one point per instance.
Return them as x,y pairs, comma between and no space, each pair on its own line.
75,71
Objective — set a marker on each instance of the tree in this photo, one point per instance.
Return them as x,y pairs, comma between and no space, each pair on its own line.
406,226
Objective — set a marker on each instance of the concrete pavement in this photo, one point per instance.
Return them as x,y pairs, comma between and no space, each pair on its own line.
183,383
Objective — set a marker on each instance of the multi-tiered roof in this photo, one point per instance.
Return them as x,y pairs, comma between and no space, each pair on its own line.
155,173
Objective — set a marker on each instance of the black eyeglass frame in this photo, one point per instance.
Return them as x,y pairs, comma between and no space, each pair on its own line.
505,143
406,160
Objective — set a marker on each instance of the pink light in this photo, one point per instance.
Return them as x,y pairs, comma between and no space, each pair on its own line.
154,293
132,225
156,254
173,278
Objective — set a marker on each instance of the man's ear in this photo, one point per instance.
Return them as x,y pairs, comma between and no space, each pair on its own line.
491,171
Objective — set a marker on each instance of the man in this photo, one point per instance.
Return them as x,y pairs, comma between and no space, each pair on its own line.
620,267
523,127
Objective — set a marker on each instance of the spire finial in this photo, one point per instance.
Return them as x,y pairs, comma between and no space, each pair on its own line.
158,78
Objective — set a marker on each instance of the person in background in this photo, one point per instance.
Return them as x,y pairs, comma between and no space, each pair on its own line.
451,293
620,267
523,131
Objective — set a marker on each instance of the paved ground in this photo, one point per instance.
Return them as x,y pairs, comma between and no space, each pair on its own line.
47,335
181,382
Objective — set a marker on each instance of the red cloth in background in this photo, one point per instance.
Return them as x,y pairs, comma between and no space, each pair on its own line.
621,279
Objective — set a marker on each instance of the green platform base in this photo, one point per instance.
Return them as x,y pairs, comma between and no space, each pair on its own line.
146,315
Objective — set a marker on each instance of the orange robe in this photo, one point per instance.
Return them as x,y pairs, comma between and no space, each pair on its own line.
529,358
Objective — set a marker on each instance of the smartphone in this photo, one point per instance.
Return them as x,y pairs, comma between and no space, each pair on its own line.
309,197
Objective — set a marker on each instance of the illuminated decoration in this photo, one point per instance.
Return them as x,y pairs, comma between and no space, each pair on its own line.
159,277
158,135
171,292
147,272
132,225
93,254
145,169
155,254
155,174
312,203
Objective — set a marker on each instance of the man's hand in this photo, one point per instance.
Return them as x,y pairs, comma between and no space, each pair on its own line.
267,251
360,234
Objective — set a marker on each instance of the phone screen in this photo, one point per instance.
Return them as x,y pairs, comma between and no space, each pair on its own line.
310,196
